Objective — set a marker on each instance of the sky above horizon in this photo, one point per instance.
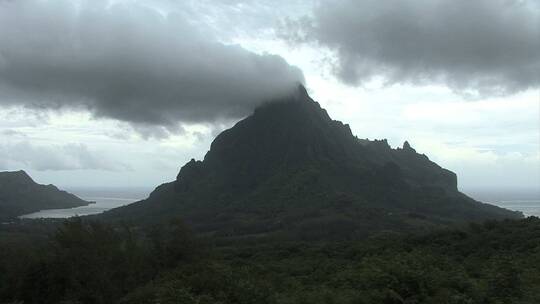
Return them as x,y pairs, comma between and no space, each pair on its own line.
123,93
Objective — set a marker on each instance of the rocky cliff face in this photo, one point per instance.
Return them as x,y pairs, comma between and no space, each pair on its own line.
19,194
289,168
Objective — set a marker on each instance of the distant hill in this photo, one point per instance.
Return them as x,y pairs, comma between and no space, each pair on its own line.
19,195
289,170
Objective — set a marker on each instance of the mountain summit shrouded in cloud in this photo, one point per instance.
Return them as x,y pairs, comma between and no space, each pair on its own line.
158,79
290,170
265,196
130,63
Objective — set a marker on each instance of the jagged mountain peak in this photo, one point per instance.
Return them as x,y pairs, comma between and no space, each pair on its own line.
407,147
295,121
294,132
289,166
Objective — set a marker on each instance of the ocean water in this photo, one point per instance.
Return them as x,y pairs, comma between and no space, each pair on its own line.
105,199
528,207
524,200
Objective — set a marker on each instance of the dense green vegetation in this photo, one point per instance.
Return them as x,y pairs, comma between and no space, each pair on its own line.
90,262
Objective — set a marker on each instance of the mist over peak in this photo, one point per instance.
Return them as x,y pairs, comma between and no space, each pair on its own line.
130,63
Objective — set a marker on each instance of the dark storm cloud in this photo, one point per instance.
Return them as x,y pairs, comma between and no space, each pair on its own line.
481,46
130,63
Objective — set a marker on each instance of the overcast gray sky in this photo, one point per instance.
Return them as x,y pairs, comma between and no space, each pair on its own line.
123,93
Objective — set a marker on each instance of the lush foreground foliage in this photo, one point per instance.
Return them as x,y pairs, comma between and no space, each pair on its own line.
89,262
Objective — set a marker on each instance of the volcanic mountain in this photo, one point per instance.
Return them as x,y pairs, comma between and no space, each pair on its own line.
290,170
19,195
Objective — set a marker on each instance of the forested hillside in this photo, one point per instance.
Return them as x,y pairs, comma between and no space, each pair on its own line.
88,262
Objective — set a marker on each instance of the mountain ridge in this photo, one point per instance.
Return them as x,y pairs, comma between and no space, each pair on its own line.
289,168
20,194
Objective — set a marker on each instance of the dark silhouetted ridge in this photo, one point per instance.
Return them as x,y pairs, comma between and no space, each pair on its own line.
15,178
19,195
289,169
